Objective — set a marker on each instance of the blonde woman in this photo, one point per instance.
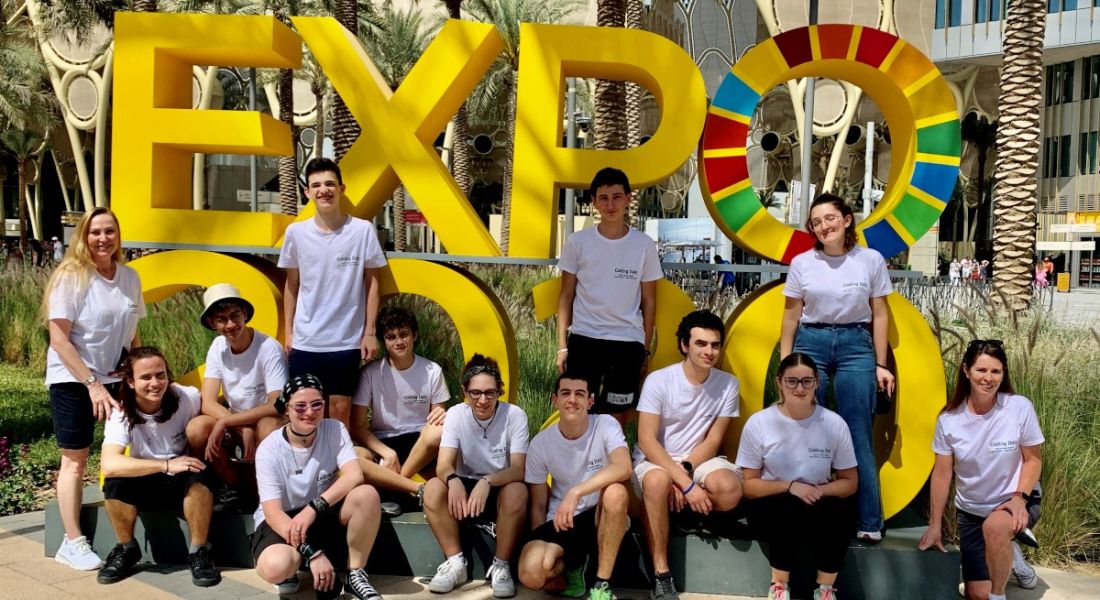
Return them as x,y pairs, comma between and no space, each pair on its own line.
92,305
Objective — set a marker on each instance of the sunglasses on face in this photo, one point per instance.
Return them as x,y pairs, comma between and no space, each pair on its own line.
792,383
302,407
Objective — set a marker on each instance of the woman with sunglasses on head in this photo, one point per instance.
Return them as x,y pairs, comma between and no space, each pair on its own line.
92,305
799,470
314,508
836,313
479,477
988,437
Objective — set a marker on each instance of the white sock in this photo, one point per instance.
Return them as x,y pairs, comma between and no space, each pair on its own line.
993,596
502,564
457,558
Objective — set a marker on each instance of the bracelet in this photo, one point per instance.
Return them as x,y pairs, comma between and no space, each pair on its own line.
166,466
689,488
450,477
563,350
316,554
486,480
882,366
789,487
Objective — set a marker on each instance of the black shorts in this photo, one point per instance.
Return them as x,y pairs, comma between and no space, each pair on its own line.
972,541
401,444
576,542
326,534
489,515
157,491
338,370
73,422
613,368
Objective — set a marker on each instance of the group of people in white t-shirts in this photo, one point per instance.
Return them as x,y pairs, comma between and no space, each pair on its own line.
967,269
390,443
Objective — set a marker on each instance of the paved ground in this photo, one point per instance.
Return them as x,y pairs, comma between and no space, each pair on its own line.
25,573
1077,306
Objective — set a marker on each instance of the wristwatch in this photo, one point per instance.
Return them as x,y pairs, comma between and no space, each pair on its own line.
687,467
90,379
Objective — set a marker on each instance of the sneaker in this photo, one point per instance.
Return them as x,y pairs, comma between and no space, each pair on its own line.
288,587
226,499
664,589
489,528
778,591
391,509
825,593
78,554
119,563
359,586
420,495
601,591
1024,572
501,581
869,537
203,572
574,582
449,574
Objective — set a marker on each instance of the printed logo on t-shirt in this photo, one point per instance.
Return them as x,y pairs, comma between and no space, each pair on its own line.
178,437
324,478
351,260
849,285
131,307
624,273
825,453
415,398
594,464
256,389
999,446
498,452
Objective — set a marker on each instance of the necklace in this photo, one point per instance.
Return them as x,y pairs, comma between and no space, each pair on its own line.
485,427
294,455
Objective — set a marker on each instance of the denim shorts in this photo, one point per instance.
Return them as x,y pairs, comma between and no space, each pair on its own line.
73,421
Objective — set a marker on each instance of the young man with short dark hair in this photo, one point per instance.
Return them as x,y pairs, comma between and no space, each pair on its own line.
608,302
683,414
331,296
586,507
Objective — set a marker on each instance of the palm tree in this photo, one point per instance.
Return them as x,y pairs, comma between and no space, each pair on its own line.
401,39
499,85
1019,141
345,129
610,94
319,86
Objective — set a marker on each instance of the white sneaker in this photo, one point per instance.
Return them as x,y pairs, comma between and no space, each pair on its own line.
501,581
78,554
449,574
1024,572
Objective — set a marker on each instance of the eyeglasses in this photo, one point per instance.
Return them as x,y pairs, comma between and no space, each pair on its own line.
477,394
989,343
827,219
236,316
302,407
792,383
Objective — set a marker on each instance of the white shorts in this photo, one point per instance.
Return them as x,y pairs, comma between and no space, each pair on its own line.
700,473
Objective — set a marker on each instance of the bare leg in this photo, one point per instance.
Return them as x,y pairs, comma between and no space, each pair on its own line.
123,516
198,434
977,590
377,475
724,488
539,563
277,563
424,451
998,533
443,524
511,510
198,506
780,576
266,425
656,485
611,527
70,489
339,408
824,578
361,513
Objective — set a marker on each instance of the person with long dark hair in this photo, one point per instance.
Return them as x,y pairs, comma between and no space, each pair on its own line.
988,438
157,474
836,313
91,307
799,467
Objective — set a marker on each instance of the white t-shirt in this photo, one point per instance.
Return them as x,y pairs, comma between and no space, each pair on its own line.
806,450
838,289
571,462
610,273
332,302
295,476
484,448
687,411
104,320
247,378
400,400
986,448
151,439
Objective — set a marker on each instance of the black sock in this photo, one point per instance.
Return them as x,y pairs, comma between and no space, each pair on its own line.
130,544
598,581
667,575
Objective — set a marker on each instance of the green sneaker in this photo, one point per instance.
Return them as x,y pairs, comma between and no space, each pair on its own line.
574,582
601,591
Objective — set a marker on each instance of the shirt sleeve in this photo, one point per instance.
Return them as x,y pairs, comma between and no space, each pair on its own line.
268,479
451,433
651,265
63,300
880,278
793,286
568,261
1030,433
439,386
274,366
288,258
117,430
731,404
749,455
191,397
345,452
136,294
844,456
612,433
939,439
536,470
517,431
649,401
214,360
372,250
364,393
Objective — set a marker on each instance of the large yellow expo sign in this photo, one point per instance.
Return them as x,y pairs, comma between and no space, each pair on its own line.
155,133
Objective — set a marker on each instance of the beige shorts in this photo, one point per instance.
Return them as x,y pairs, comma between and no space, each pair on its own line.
700,473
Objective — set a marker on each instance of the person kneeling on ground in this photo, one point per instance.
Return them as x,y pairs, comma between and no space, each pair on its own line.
586,507
157,474
683,415
314,508
398,410
248,368
480,480
788,454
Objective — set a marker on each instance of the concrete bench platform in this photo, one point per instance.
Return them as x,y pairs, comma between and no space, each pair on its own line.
701,562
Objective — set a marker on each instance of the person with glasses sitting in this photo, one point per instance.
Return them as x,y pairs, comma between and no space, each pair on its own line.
248,369
799,469
315,511
989,438
479,478
836,313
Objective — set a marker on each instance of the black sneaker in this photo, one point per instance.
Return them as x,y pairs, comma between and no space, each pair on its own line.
119,563
226,499
664,588
359,586
203,572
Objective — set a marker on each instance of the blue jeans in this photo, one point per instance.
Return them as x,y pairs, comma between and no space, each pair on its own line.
846,355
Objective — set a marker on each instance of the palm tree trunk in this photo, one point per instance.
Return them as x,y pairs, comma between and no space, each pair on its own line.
145,5
23,204
345,129
399,237
510,123
1019,141
633,109
288,165
319,123
610,94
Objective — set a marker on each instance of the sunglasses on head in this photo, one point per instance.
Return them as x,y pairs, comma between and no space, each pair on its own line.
985,343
